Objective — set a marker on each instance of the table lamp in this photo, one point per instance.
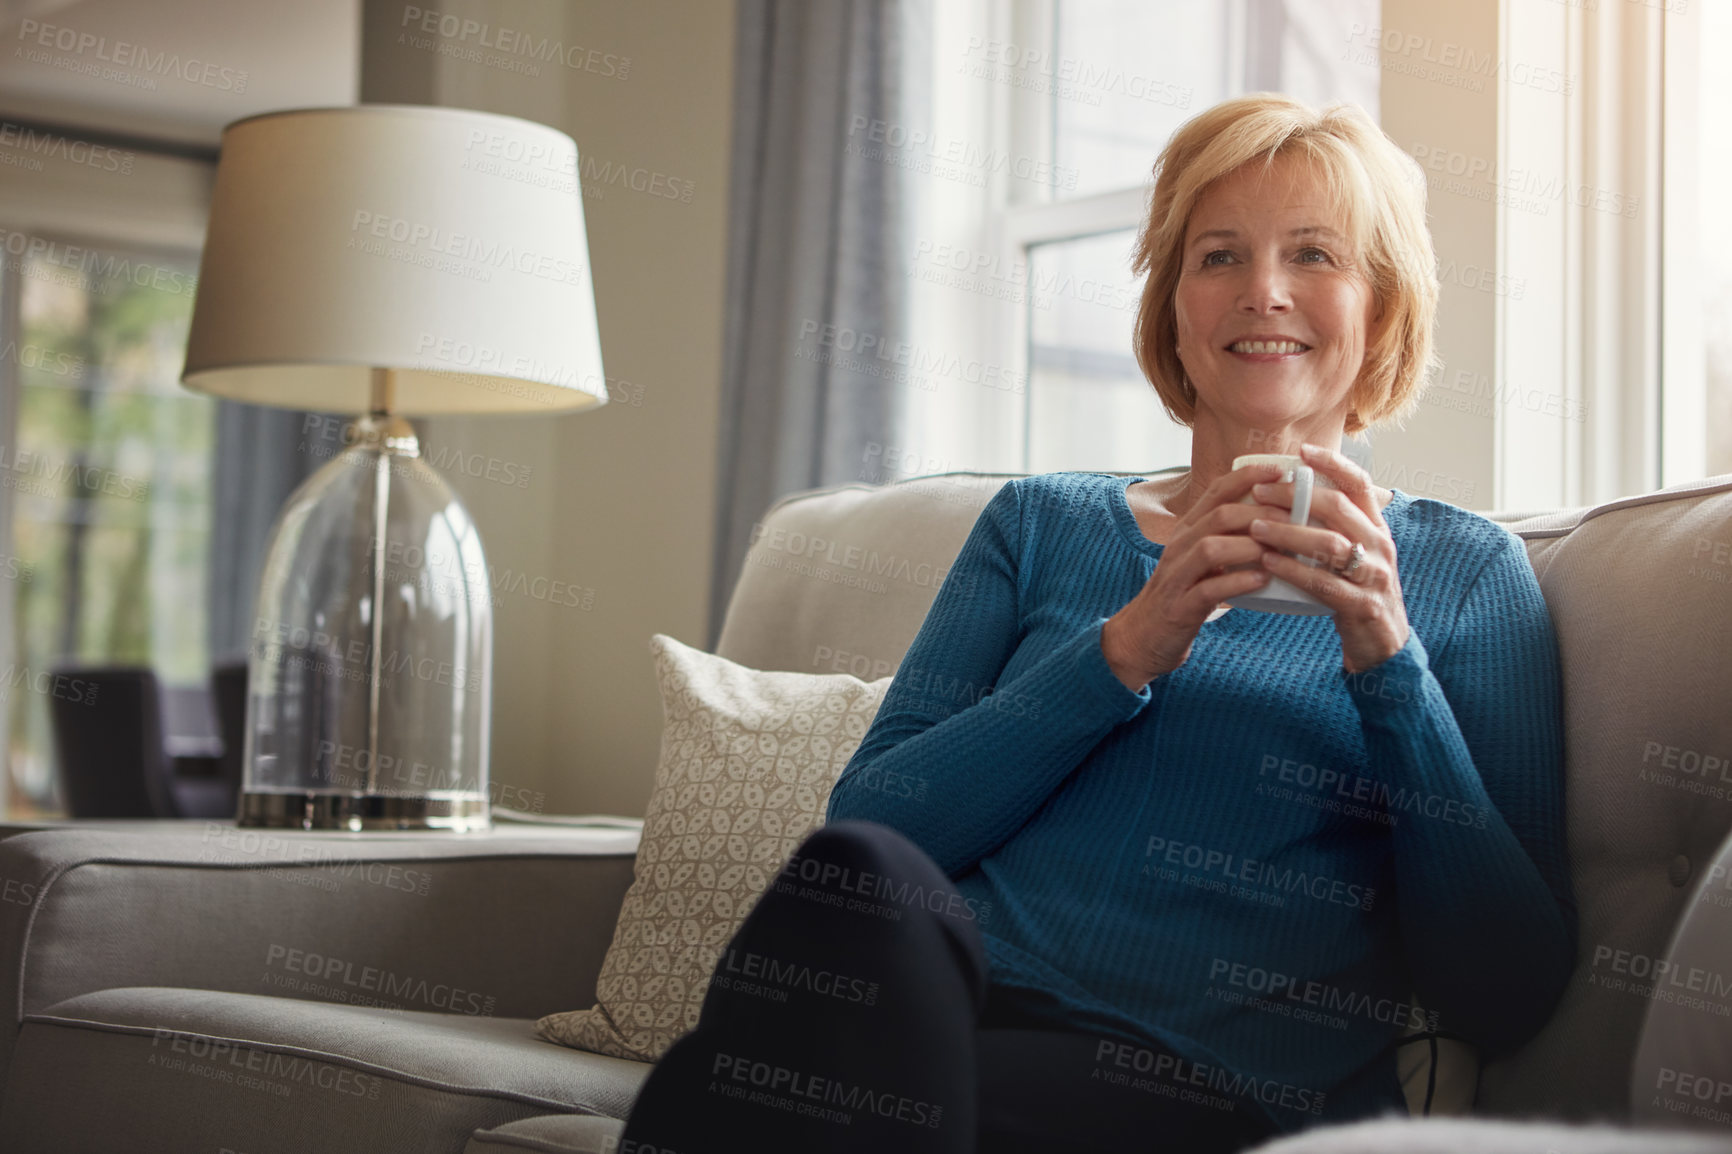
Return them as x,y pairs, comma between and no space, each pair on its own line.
385,260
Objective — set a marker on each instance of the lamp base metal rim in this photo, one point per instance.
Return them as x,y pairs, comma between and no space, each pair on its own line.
362,811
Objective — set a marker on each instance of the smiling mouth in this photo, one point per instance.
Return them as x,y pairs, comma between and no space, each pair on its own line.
1266,347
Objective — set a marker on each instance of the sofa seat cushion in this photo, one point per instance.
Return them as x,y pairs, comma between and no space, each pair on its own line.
178,1070
551,1134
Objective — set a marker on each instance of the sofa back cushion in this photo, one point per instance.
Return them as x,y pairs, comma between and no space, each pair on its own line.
1640,591
839,580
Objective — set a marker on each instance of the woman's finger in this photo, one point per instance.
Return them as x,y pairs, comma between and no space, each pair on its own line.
1370,617
1349,478
1206,594
1228,489
1346,595
1325,547
1207,557
1330,508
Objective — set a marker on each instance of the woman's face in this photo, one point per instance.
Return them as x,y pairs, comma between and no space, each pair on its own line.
1272,313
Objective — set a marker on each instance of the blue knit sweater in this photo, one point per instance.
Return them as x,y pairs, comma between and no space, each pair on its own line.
1260,861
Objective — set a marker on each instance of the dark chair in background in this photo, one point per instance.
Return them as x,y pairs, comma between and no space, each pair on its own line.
130,750
228,690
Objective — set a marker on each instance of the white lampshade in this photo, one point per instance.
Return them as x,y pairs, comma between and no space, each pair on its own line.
442,243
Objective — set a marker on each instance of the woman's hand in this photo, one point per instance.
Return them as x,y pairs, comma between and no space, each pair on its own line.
1209,558
1370,615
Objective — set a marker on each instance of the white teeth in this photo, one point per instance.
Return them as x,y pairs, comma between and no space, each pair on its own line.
1267,347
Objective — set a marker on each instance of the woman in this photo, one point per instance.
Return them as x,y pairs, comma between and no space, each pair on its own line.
1185,874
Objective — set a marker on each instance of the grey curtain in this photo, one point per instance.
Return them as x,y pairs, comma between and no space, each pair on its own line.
261,456
817,243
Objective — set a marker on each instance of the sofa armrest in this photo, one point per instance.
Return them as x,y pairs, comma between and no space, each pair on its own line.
513,922
1682,1071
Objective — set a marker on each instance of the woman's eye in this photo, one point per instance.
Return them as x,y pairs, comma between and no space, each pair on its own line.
1313,256
1223,254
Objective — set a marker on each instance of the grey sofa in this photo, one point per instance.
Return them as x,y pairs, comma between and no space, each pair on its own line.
190,986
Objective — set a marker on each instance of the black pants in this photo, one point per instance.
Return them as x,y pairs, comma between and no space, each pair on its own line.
852,1012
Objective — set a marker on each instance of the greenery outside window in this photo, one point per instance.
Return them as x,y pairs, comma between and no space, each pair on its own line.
108,470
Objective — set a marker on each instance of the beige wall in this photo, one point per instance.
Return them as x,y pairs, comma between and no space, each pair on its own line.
618,503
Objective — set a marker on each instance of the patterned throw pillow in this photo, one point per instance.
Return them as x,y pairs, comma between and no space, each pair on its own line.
748,759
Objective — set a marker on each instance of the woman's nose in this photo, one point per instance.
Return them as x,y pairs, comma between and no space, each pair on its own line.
1265,289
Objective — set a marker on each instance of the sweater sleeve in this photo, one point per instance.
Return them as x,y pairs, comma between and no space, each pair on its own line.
1470,747
955,760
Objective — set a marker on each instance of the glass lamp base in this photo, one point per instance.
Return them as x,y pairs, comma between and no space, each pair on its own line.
362,811
369,670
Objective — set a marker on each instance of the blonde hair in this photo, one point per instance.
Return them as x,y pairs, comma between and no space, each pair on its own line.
1382,190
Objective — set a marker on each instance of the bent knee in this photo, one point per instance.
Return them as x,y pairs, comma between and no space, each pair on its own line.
862,856
857,842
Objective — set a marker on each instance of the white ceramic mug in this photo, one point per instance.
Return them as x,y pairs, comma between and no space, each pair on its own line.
1278,596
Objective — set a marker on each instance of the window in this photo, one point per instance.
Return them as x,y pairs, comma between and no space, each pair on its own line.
1714,176
1697,349
1027,271
107,471
1088,404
